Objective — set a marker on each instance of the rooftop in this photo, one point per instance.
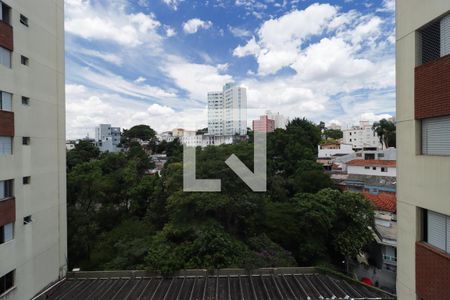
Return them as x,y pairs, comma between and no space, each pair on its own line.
278,283
372,163
383,201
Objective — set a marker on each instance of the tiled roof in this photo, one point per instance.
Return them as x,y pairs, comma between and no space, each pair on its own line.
283,283
383,201
372,163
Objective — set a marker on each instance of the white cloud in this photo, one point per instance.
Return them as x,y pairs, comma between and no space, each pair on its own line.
193,25
279,39
222,67
197,79
239,32
140,79
172,3
170,32
108,57
110,23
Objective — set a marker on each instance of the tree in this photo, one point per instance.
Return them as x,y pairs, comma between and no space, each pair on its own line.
334,134
139,132
84,151
386,131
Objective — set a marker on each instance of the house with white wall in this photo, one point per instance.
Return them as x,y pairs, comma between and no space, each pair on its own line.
372,167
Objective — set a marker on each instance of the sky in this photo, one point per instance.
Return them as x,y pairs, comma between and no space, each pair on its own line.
152,62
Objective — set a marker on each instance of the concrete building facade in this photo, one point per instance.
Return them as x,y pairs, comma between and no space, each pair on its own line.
362,137
423,139
107,138
227,111
264,124
33,235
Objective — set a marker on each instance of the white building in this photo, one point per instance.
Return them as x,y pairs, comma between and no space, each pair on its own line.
329,150
227,111
33,234
362,137
107,138
280,120
372,167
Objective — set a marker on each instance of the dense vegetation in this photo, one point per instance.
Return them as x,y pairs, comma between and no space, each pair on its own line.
121,218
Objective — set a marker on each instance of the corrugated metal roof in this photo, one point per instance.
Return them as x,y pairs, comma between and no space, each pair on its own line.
268,284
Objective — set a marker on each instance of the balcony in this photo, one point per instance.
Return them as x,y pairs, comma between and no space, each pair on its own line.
432,89
7,210
6,123
6,36
432,272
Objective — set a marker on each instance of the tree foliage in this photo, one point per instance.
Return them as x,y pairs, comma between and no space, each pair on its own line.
121,218
386,131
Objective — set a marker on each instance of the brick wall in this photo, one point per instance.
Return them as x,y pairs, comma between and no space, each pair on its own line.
432,89
432,272
7,211
6,36
6,123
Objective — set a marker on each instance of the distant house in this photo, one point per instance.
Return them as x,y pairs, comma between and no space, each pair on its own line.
264,124
362,137
333,149
372,167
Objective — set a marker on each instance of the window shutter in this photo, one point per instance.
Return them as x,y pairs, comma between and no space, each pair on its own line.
445,36
448,234
2,189
436,136
437,235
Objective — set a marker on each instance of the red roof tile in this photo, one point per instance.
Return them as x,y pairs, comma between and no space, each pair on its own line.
383,201
372,162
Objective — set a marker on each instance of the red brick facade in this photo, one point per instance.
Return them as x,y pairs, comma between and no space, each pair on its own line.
432,272
6,123
6,36
7,211
432,89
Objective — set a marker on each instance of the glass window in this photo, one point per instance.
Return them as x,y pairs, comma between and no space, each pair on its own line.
5,101
6,233
5,145
6,282
5,57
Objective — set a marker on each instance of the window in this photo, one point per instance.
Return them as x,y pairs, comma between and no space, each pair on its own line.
383,169
5,57
26,180
435,39
436,136
27,220
24,60
366,167
6,189
380,155
5,101
6,233
25,100
5,145
24,20
5,12
26,140
6,282
374,168
437,230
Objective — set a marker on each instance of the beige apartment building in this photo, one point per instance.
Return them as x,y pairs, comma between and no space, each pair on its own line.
33,250
423,139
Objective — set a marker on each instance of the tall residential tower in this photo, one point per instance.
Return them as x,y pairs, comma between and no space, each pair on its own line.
423,139
227,111
33,251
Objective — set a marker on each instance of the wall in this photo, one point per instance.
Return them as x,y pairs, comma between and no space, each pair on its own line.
422,181
361,170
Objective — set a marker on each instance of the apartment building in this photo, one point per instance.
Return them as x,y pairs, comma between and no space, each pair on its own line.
227,111
362,137
423,139
33,251
107,138
264,124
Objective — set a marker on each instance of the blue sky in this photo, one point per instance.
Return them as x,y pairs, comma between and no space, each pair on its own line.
153,61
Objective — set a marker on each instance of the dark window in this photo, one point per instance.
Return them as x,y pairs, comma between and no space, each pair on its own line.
26,140
26,180
431,42
6,282
6,233
6,189
5,13
25,100
24,60
383,169
367,168
374,168
27,220
24,20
